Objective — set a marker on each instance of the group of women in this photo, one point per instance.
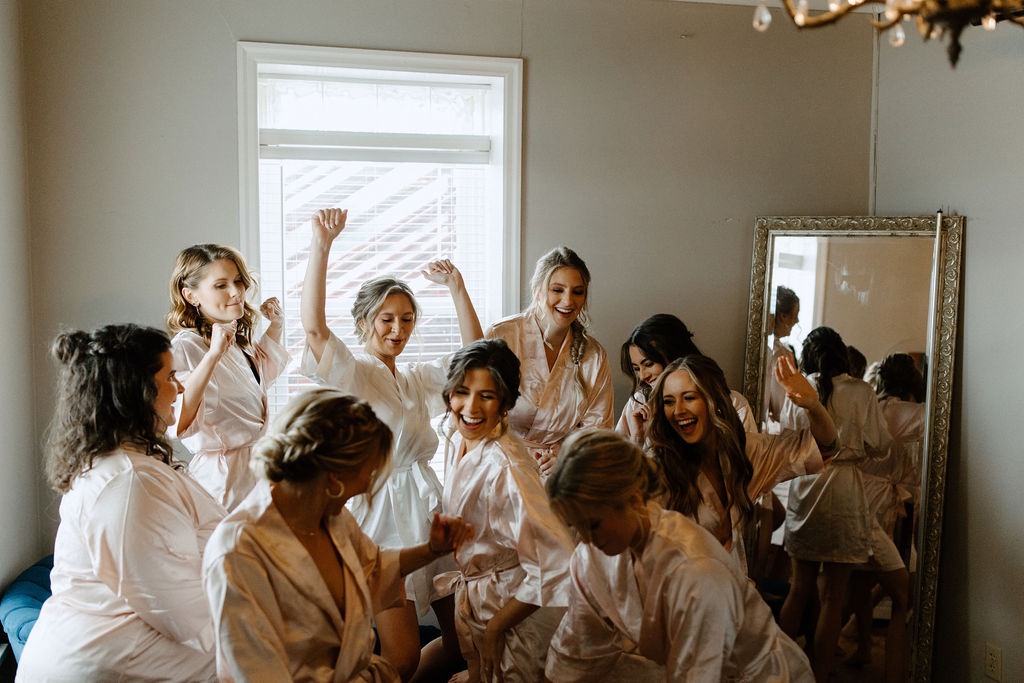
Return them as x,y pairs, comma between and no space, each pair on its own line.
556,549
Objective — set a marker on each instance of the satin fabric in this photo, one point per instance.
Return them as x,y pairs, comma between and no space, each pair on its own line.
828,518
520,550
775,458
275,618
550,404
403,509
232,415
739,402
682,604
895,480
128,601
774,393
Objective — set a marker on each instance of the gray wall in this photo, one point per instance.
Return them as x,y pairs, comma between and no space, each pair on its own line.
952,139
20,542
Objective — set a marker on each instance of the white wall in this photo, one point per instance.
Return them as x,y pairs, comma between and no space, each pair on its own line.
20,544
951,138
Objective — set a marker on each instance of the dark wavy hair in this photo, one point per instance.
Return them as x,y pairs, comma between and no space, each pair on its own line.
680,461
105,395
898,376
663,337
494,356
824,353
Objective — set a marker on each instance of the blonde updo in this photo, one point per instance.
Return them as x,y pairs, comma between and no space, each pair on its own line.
599,467
323,430
370,298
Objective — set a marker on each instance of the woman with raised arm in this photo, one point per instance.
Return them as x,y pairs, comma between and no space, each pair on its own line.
225,371
651,346
405,397
713,468
292,581
566,382
128,600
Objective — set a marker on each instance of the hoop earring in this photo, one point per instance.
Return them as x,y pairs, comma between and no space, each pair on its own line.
339,494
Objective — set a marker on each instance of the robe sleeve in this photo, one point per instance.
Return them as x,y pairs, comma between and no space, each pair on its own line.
272,358
144,545
187,350
380,567
600,399
877,440
780,457
249,644
743,411
337,367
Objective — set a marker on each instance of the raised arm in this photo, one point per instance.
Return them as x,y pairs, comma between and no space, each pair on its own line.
222,336
327,224
445,273
801,393
271,310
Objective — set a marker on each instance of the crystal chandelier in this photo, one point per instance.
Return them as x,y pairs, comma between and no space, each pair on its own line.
935,18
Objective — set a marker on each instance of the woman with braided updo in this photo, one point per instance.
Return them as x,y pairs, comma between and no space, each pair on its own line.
292,581
128,601
566,381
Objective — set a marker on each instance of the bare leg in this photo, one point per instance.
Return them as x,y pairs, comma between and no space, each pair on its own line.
805,576
399,633
860,590
441,655
897,584
826,635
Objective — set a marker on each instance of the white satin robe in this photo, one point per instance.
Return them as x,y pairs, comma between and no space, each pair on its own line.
828,518
275,618
682,604
232,415
520,550
775,458
550,404
774,393
739,402
403,509
891,482
128,601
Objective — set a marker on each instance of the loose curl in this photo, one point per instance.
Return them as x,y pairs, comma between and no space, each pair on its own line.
599,467
662,338
323,430
564,257
105,399
189,271
824,353
500,362
681,461
370,298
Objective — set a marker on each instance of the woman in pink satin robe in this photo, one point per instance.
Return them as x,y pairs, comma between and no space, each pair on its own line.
226,373
292,581
566,381
654,597
511,587
128,601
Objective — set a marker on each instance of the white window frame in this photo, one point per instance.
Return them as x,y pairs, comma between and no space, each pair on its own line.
509,147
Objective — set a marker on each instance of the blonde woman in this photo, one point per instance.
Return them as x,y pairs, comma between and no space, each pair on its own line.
566,381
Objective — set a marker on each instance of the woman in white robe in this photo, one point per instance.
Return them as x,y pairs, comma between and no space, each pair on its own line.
566,381
653,595
829,524
127,600
651,346
292,581
511,585
225,372
714,470
405,397
780,326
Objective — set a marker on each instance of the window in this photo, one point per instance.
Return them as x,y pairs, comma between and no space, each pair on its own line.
423,150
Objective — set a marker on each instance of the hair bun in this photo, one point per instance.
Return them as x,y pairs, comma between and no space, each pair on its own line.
70,344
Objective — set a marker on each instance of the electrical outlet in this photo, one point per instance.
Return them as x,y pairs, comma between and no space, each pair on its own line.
993,662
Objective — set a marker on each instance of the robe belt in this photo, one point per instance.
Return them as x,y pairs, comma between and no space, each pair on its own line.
448,582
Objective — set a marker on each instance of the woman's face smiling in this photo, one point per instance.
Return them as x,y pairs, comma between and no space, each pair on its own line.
644,369
392,326
685,407
566,295
220,293
476,406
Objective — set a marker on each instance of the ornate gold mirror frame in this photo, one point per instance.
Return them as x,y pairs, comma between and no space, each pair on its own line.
947,233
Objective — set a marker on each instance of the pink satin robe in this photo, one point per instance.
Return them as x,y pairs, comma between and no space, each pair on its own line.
893,481
682,604
128,600
232,415
520,550
403,509
550,404
275,618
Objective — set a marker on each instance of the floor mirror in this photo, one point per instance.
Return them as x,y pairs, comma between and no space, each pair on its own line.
887,285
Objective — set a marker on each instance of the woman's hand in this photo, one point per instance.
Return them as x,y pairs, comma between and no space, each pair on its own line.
546,459
443,272
447,534
272,311
491,649
798,389
328,224
636,420
222,336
